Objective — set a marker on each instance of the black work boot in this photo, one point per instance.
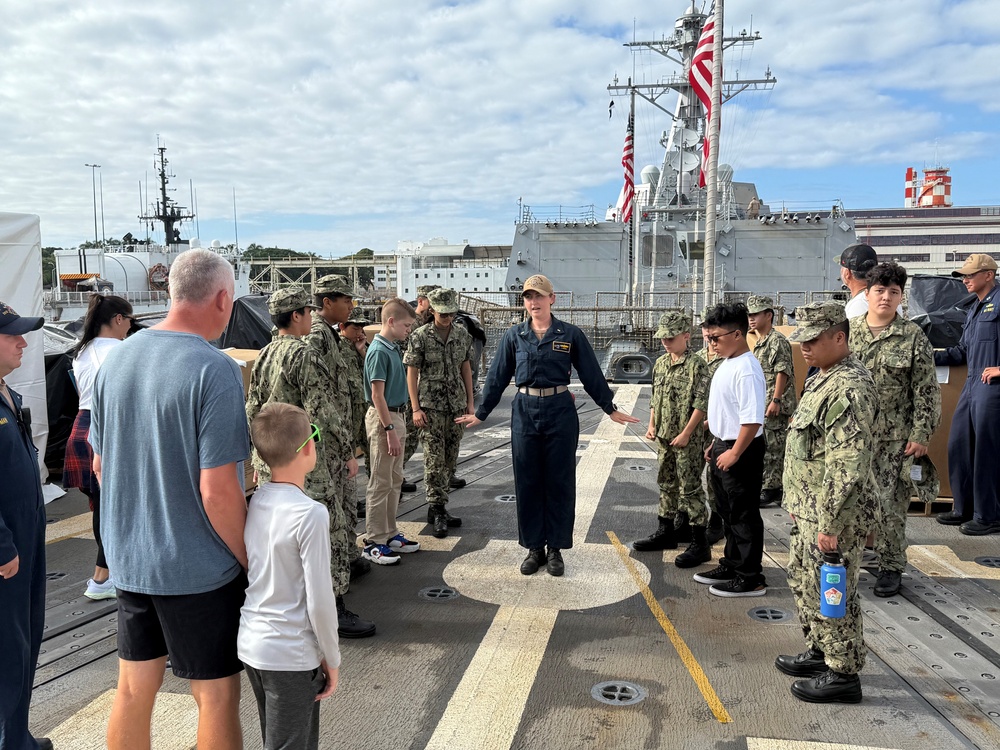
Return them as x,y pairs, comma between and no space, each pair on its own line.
457,483
349,625
698,551
771,497
888,583
662,538
807,664
453,521
359,567
438,518
362,509
534,560
716,530
555,564
829,687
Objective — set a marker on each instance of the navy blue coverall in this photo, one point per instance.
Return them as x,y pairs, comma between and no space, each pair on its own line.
974,441
22,597
545,430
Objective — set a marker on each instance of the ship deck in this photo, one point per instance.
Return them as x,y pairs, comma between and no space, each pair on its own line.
471,654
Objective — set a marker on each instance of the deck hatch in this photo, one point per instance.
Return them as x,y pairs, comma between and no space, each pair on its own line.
618,693
438,594
505,498
769,614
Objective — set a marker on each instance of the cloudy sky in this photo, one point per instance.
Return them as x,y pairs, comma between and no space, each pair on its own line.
354,123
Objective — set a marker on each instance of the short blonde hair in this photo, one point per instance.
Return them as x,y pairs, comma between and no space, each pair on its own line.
277,430
397,308
198,275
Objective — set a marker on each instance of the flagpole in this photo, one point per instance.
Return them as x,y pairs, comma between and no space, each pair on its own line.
633,226
711,179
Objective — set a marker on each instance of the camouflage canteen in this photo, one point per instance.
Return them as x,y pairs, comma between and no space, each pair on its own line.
443,301
288,300
672,323
424,290
758,303
537,283
813,319
358,318
334,284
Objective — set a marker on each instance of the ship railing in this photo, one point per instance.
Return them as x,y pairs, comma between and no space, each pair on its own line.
557,214
67,299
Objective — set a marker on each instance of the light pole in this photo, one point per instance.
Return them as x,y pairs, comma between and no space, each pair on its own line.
93,182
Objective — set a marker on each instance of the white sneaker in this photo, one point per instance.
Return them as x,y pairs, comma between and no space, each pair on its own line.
98,591
400,543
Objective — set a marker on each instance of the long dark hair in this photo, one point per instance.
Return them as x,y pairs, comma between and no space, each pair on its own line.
102,309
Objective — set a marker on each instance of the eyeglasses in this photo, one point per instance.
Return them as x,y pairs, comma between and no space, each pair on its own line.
715,339
314,435
970,275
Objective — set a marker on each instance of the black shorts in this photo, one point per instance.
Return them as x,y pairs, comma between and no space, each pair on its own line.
197,631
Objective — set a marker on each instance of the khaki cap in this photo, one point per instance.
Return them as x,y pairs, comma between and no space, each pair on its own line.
537,283
424,290
975,263
443,301
288,300
334,284
816,318
672,324
759,303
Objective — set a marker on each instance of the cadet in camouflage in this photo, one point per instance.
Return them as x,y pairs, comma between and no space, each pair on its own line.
830,493
901,360
425,315
713,360
439,379
353,345
774,353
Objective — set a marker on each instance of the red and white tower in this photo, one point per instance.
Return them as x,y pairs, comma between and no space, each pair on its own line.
936,190
910,200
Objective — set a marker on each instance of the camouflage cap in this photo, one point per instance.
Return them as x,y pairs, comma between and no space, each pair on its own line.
812,320
672,323
759,303
288,299
358,318
424,290
334,284
537,283
443,300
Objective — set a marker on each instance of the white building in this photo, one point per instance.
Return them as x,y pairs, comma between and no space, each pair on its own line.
462,267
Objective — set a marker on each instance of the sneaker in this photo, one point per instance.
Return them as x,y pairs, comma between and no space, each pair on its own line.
400,543
721,574
739,586
380,554
98,591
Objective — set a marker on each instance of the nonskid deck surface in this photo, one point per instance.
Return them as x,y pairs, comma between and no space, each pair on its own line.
625,650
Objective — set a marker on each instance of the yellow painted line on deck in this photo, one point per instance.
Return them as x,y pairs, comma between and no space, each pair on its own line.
939,561
690,662
764,743
70,528
175,723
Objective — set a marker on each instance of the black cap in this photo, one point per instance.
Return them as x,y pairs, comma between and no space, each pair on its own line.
12,324
859,258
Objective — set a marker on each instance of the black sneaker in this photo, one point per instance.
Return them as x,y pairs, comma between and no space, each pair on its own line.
456,483
740,586
829,687
721,574
408,486
888,583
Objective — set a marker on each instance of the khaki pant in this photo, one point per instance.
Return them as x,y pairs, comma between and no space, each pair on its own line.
385,478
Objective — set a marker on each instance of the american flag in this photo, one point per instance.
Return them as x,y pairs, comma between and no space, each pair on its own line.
700,77
628,158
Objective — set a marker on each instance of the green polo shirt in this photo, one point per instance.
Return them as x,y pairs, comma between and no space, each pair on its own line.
384,361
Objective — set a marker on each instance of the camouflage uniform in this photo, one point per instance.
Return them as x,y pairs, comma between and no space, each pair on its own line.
901,360
289,371
829,488
712,361
354,361
325,341
775,356
412,433
442,395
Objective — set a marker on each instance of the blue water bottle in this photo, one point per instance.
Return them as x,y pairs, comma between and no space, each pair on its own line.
832,586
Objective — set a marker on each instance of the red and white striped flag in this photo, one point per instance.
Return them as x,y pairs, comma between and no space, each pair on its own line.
628,159
700,77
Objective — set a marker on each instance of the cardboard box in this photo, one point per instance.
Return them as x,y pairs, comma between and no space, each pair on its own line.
245,359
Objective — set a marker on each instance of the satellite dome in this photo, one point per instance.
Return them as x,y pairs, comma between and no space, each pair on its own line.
650,174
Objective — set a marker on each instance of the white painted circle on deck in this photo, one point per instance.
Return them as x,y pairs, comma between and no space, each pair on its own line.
595,577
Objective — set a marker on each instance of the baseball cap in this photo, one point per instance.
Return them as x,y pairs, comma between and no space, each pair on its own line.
975,263
12,324
757,303
672,323
537,283
424,290
334,284
859,258
443,301
289,299
816,318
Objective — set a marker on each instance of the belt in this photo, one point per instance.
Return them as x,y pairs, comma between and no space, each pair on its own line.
397,409
542,391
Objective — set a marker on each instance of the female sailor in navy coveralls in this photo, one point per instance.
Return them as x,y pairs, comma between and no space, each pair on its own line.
540,354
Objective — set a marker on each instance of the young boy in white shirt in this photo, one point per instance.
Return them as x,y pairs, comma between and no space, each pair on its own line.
288,624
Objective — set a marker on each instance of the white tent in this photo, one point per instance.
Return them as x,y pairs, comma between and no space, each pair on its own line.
21,288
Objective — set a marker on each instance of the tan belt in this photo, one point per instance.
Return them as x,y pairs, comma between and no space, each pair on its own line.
542,391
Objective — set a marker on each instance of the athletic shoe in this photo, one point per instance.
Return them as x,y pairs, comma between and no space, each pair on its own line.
380,554
98,591
721,574
400,543
739,586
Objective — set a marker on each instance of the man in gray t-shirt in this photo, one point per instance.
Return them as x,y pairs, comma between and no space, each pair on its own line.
169,435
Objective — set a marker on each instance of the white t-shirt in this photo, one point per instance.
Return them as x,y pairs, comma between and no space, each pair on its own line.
289,619
87,363
856,305
736,397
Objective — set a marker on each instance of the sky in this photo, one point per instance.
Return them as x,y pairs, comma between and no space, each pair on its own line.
350,124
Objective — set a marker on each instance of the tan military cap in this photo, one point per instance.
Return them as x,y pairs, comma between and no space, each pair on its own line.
334,284
759,303
672,323
443,301
288,299
537,283
975,263
812,320
424,290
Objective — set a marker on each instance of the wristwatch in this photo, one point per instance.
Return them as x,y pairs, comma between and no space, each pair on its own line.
775,400
389,427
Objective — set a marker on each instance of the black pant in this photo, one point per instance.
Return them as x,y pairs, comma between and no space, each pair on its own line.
94,496
286,703
737,493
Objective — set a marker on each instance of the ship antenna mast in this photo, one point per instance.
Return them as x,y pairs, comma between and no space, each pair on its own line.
167,211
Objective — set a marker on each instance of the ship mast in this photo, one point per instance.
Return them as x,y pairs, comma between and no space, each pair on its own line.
167,211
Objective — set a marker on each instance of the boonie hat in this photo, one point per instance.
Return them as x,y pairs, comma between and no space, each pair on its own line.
859,258
813,319
757,303
975,263
334,284
443,301
424,290
537,283
672,323
13,324
288,299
